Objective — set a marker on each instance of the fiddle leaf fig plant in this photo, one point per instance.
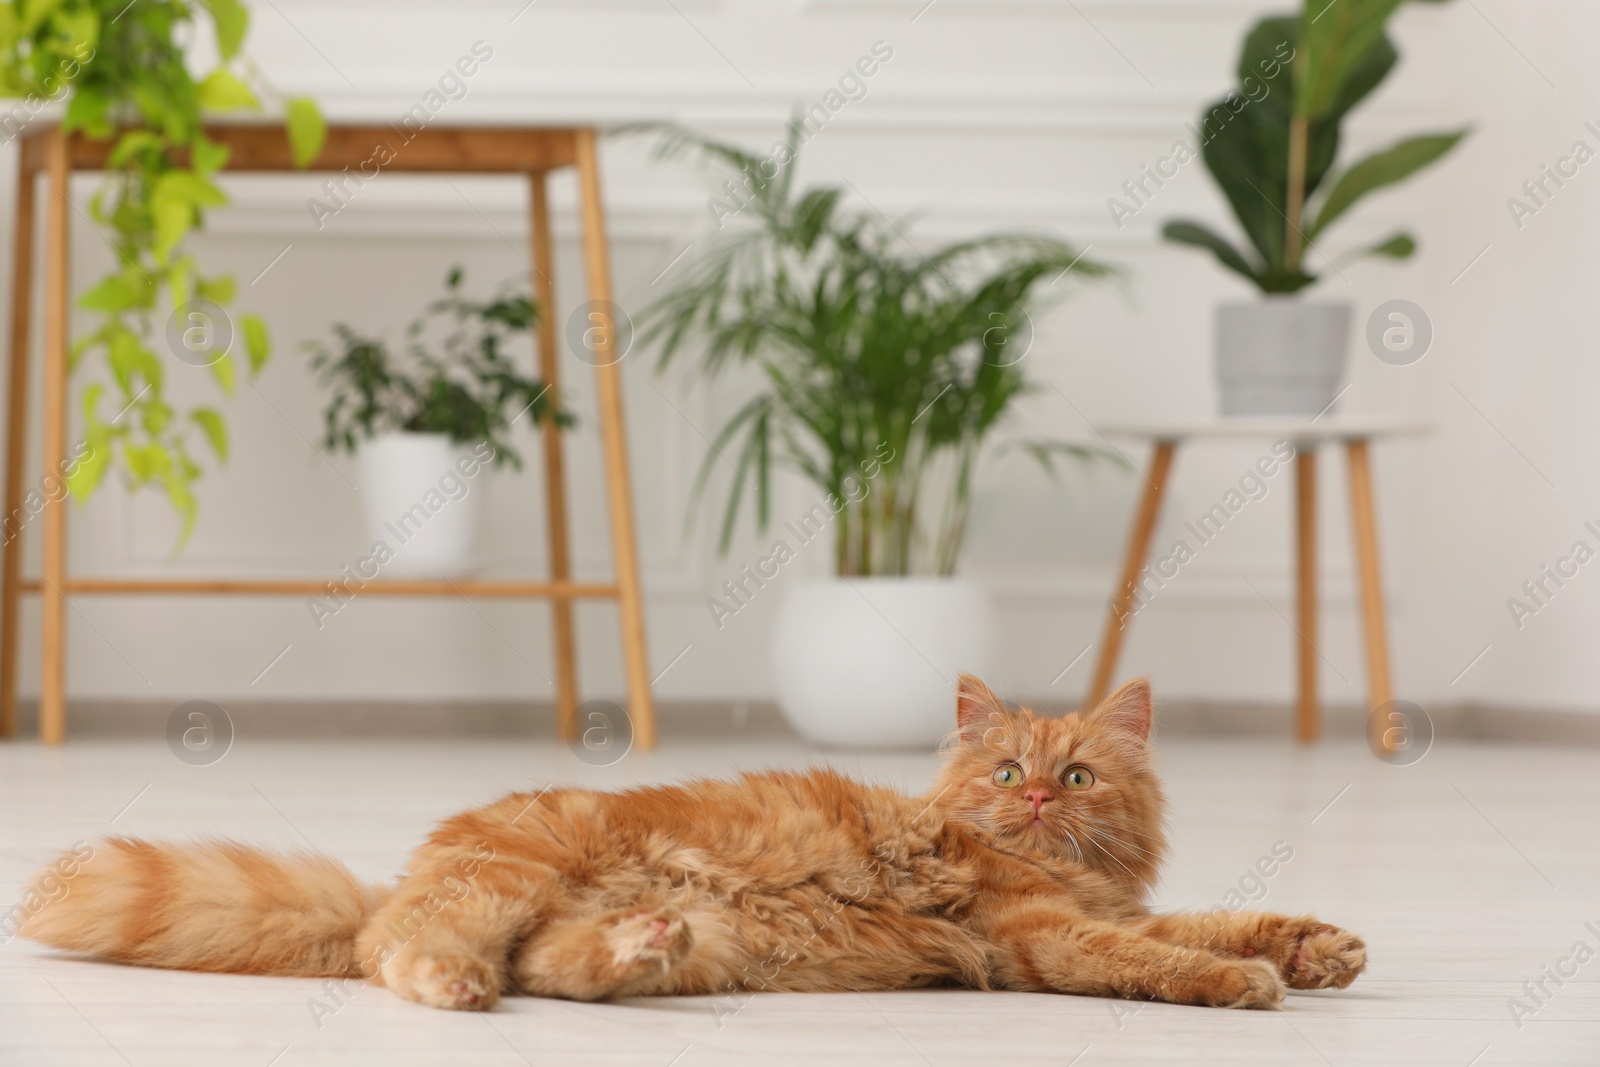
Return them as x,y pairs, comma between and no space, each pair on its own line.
124,72
1273,155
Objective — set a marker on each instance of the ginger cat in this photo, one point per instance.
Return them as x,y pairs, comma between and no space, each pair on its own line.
1023,868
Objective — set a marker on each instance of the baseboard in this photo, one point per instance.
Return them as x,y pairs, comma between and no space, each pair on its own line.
727,719
1462,722
314,720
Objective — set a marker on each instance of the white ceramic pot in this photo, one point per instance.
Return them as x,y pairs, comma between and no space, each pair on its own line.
421,502
1281,355
872,662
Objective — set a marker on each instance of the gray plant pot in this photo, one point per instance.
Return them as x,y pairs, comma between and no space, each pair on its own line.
1281,355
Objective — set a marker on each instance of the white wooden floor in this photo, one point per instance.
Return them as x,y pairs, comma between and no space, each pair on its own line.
1467,873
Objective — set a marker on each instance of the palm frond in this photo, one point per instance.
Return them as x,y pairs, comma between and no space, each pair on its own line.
866,347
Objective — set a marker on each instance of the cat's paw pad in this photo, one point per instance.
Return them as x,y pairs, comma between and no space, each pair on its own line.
1246,984
458,982
1327,958
658,937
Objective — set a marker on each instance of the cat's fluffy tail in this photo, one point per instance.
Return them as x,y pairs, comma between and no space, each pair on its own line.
212,906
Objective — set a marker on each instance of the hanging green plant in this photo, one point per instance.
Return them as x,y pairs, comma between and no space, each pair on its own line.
122,69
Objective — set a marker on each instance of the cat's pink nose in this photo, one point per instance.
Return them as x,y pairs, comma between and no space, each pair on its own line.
1038,797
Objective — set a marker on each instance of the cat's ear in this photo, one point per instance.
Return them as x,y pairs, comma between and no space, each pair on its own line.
1129,710
975,703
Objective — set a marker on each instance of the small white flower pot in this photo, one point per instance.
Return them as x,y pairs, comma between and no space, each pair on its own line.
872,662
423,496
1281,355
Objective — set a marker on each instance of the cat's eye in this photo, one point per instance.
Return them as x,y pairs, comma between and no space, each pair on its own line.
1078,778
1007,776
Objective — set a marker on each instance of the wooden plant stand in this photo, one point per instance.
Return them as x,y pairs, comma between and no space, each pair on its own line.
1356,435
530,151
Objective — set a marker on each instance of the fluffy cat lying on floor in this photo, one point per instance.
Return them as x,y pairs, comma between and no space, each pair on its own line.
1023,868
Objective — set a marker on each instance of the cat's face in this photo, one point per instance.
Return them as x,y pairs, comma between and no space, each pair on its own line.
1079,787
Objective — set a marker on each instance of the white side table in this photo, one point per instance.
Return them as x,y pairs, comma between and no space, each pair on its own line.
1356,434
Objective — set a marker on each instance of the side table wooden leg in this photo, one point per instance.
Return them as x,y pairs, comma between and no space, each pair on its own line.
555,478
1144,525
1305,522
1373,625
12,521
53,601
613,433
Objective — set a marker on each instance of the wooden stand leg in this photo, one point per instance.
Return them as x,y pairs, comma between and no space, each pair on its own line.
1144,525
16,450
1305,523
1373,626
52,675
555,477
630,602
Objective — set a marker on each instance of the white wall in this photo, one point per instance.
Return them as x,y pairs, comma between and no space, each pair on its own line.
991,113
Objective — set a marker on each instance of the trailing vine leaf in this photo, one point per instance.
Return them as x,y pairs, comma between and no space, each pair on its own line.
208,157
232,20
307,131
86,474
127,78
218,290
223,371
256,345
216,431
221,91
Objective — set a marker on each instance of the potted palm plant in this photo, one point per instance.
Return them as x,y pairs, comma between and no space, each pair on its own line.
1273,155
884,375
426,423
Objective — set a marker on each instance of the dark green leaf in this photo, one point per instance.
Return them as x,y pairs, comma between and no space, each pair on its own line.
1391,165
1193,233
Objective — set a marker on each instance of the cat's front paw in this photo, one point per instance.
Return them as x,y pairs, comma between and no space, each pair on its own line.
1243,984
456,981
1327,958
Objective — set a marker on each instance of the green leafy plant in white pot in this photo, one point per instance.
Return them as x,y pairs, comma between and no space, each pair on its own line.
1272,147
884,374
426,423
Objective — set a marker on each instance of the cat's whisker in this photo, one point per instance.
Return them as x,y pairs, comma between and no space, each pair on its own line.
1112,856
1119,843
1109,836
1076,847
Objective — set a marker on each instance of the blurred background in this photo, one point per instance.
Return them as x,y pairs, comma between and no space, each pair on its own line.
987,115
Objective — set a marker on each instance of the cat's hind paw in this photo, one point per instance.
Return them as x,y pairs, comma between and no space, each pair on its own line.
658,938
1245,984
455,981
1328,958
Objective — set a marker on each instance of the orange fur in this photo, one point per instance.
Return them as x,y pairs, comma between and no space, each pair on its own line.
1000,877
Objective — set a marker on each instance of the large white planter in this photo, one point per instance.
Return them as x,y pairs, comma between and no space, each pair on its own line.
872,662
419,501
1281,355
